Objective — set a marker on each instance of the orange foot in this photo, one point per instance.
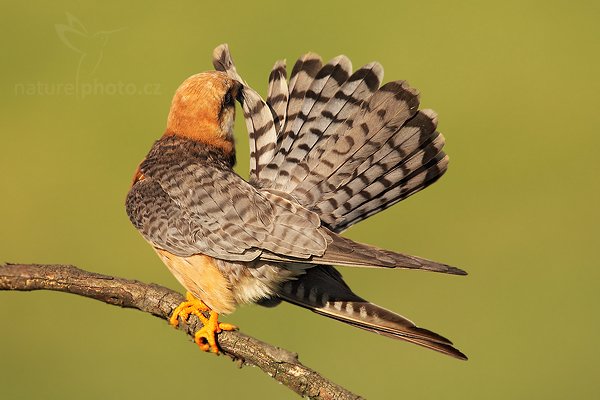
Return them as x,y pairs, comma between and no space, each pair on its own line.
205,338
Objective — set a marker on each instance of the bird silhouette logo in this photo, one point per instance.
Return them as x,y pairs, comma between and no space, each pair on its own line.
89,46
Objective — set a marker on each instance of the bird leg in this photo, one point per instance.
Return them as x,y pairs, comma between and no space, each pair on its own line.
205,338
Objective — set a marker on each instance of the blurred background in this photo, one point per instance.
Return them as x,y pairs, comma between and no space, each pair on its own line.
86,89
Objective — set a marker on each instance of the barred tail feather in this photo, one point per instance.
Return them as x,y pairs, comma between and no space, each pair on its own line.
323,291
278,94
338,102
335,105
419,180
259,120
303,73
381,116
410,167
325,85
414,143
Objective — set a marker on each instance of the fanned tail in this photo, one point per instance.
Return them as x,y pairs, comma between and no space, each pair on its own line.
323,291
409,161
337,142
347,148
326,83
389,151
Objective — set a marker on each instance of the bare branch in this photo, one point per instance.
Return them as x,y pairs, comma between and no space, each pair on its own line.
159,301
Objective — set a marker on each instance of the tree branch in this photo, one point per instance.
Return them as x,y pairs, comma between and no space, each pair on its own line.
159,301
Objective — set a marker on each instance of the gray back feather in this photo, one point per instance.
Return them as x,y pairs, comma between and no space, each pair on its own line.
191,202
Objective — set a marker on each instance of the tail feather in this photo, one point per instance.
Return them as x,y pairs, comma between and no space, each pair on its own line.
405,141
440,347
323,291
303,73
259,120
418,180
326,84
336,109
278,94
381,116
369,186
390,166
373,182
328,81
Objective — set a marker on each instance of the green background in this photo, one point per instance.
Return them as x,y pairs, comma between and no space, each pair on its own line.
516,88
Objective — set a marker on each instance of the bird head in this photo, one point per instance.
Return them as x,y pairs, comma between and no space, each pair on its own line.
203,109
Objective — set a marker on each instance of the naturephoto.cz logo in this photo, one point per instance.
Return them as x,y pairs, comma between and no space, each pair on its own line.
89,48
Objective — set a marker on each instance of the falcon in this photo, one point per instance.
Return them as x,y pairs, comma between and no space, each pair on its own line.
328,148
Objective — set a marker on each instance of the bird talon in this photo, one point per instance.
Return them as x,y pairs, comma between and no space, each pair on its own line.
178,312
190,306
223,326
205,338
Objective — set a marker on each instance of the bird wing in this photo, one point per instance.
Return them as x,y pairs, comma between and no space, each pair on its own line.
336,141
189,205
346,252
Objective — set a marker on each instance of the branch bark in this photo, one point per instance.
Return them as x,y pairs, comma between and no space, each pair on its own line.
280,364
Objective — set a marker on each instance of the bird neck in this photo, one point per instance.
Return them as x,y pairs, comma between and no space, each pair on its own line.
178,147
205,135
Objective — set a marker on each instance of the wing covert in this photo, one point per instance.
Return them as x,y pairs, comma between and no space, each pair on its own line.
189,202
